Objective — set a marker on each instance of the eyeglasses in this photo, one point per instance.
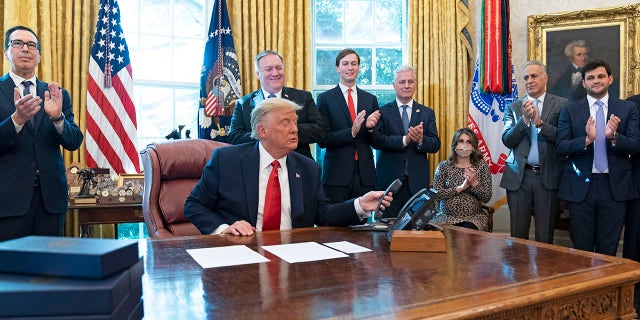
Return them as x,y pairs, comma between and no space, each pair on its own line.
19,44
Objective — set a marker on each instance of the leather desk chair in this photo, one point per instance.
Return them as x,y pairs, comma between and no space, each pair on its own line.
171,170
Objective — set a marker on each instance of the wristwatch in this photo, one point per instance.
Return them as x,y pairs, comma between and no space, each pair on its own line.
61,117
615,135
540,124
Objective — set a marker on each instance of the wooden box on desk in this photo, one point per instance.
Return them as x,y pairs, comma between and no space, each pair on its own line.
425,241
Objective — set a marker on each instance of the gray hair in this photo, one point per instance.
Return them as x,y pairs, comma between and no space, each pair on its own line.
536,63
403,68
568,50
266,53
267,106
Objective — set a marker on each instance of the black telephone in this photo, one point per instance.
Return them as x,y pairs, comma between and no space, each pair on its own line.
416,213
393,188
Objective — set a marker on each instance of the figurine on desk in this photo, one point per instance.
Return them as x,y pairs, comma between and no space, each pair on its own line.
88,178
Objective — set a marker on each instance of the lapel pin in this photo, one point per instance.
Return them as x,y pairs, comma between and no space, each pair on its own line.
297,175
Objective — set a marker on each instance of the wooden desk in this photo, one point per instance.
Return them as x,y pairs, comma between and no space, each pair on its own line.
84,215
481,276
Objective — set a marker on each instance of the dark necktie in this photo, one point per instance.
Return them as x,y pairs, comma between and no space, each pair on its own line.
25,92
405,118
600,148
271,96
272,200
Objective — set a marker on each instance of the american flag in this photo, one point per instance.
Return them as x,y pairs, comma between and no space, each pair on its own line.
220,78
111,137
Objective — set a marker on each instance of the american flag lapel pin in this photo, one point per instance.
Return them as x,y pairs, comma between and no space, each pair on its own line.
297,175
417,110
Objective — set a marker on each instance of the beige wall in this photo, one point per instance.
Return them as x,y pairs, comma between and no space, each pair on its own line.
520,9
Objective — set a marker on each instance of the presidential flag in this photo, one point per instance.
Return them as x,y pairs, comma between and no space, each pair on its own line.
486,115
220,77
111,137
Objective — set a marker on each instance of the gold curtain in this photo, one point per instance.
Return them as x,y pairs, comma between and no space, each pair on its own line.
442,62
280,25
65,29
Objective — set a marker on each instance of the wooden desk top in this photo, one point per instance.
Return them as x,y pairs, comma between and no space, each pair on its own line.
481,275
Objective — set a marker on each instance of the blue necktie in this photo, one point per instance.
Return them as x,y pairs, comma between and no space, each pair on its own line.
405,118
26,91
534,156
600,148
271,96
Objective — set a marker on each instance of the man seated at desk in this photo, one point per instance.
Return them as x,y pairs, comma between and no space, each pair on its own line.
264,186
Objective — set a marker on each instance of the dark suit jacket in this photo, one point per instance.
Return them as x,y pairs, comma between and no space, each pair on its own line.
570,142
516,136
563,87
340,145
635,157
228,192
34,147
310,126
393,158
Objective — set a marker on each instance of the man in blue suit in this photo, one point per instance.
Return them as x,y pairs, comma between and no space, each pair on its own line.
233,194
36,119
596,187
270,70
350,115
404,135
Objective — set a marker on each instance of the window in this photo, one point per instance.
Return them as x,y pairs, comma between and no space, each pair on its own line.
166,40
376,29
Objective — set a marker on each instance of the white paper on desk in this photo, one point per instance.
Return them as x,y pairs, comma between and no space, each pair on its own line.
225,256
346,247
303,252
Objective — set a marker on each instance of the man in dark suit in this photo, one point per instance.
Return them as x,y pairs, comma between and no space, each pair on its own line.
569,85
235,193
598,134
347,169
270,70
36,120
532,174
404,135
631,243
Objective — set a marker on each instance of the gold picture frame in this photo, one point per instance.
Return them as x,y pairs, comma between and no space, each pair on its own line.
130,179
611,34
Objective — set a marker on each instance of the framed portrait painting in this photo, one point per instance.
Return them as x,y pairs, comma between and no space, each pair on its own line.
564,42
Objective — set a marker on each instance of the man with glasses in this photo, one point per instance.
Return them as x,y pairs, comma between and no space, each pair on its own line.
36,119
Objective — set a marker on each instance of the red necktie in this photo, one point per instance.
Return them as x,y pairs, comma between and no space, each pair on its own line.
352,112
272,201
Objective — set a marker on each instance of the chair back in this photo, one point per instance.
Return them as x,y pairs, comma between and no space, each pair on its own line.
171,170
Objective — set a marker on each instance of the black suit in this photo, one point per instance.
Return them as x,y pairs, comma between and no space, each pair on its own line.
29,206
397,161
310,126
631,247
597,202
342,176
563,87
228,192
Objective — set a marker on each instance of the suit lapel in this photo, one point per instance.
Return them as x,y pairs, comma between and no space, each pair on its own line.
6,86
395,117
295,188
416,114
583,111
250,162
342,104
41,87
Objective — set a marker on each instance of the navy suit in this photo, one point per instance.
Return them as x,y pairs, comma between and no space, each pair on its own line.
33,151
631,247
596,226
396,161
228,192
310,126
339,161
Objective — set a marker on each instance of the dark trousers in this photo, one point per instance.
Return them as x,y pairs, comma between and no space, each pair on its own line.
532,196
37,221
356,189
597,221
631,246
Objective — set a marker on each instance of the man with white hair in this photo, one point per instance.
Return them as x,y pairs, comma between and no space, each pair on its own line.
265,186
